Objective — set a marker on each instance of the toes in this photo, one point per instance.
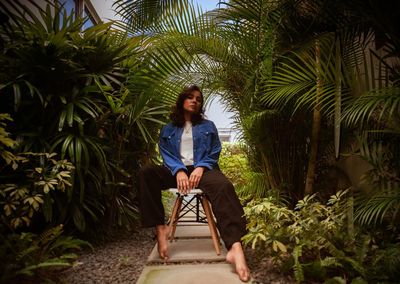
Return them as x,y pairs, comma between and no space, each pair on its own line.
244,275
163,255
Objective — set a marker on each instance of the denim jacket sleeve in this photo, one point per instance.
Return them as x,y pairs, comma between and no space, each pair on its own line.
170,154
210,160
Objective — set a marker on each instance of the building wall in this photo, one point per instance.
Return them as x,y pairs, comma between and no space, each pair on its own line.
81,7
105,10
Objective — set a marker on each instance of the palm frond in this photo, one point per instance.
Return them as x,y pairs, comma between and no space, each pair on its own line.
373,210
139,15
380,104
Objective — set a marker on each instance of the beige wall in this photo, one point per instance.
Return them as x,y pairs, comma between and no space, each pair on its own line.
355,167
104,9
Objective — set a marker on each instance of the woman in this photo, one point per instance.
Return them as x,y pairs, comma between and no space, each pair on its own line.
190,148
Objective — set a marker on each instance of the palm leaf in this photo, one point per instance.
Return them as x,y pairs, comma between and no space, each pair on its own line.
143,13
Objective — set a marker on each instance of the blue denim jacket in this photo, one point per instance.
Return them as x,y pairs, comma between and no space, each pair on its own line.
206,146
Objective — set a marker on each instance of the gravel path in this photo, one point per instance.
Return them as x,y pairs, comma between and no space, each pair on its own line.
123,259
118,261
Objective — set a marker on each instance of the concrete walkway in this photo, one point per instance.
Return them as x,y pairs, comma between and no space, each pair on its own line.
192,260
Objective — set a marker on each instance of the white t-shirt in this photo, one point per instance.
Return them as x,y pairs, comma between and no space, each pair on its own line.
187,144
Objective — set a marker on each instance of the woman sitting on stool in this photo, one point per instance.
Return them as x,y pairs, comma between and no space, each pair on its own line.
190,149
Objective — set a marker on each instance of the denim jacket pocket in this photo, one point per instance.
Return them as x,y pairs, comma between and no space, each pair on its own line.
206,137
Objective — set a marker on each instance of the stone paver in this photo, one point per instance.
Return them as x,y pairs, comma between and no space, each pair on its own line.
192,232
190,223
189,250
192,244
189,274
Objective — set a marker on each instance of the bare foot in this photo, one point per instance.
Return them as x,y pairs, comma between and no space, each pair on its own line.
162,241
236,256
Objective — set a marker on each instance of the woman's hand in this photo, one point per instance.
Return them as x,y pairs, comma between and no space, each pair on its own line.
182,182
195,177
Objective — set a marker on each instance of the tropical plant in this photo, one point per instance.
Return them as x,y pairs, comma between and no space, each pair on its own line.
305,78
382,203
67,91
217,51
358,85
6,142
28,256
34,183
310,237
28,185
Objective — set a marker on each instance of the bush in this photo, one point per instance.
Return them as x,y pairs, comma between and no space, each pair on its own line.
67,91
25,254
30,183
311,237
234,164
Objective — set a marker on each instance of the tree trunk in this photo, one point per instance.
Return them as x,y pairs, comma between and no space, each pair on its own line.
338,97
316,126
270,175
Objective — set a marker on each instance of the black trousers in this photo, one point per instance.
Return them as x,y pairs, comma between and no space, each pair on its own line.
218,189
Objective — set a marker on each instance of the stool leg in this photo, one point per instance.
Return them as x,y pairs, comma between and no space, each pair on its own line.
211,224
198,198
177,218
174,217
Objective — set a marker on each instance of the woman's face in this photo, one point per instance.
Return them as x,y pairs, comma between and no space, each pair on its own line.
192,104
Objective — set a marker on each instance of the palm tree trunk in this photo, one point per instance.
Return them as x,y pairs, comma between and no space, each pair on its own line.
338,97
316,125
268,172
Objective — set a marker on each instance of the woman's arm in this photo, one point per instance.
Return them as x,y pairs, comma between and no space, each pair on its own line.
211,159
171,161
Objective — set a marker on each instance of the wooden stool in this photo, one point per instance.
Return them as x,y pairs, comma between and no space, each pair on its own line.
178,212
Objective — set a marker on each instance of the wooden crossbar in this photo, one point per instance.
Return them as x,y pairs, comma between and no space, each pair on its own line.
200,199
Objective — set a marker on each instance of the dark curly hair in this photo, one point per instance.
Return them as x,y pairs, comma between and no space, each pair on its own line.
177,116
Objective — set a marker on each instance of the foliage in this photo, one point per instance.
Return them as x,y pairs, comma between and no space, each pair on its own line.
96,97
234,164
68,92
141,14
311,236
33,184
311,239
380,205
30,184
27,254
26,195
6,143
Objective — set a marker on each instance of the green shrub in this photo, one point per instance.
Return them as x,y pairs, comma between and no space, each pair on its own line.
25,255
234,163
32,186
311,237
67,91
29,184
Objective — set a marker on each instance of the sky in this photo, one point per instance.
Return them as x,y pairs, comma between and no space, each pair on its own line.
207,4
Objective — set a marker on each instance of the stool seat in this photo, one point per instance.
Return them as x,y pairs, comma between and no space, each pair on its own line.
200,197
193,191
